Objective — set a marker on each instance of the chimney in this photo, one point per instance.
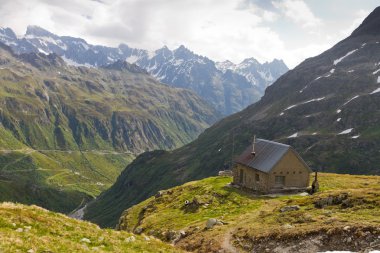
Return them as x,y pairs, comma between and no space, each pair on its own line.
253,153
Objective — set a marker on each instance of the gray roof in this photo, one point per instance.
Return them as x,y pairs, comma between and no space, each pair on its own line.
268,154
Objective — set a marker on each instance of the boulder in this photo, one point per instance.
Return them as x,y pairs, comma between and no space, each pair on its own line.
211,223
289,208
138,230
85,240
287,226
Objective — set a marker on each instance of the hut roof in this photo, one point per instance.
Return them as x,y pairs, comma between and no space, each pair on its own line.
267,155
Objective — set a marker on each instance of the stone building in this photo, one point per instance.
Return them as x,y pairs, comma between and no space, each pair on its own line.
270,167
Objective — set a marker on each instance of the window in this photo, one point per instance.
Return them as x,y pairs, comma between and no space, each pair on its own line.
257,176
279,180
287,172
294,172
300,172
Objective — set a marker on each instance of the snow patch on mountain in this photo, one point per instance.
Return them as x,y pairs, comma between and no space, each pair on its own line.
305,102
355,97
375,91
132,59
295,135
347,131
346,55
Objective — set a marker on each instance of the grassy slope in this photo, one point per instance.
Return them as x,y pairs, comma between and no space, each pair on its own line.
45,231
250,216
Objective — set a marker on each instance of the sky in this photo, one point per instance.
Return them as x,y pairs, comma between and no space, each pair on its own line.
292,30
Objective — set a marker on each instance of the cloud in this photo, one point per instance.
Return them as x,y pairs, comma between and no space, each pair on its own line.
218,29
298,12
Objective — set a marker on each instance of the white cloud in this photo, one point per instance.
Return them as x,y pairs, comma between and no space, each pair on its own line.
219,29
298,12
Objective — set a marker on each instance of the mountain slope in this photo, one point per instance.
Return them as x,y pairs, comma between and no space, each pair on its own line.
33,229
328,108
228,93
252,223
72,129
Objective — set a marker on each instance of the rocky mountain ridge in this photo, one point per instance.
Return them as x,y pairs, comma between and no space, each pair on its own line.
227,92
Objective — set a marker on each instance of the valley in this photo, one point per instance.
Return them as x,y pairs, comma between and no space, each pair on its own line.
67,132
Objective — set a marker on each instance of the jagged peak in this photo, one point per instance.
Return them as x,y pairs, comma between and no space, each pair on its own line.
124,65
163,49
34,30
370,25
8,32
277,62
183,49
227,62
123,46
250,61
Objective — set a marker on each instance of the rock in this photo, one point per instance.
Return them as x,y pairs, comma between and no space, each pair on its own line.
171,235
191,206
158,194
289,208
347,203
349,239
182,233
346,228
304,194
146,238
287,226
85,240
20,230
332,200
101,238
30,251
130,239
138,230
211,223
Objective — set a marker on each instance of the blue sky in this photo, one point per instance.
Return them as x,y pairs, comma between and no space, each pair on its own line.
291,30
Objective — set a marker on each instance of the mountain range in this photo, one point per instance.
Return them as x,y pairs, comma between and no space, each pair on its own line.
66,132
327,108
226,86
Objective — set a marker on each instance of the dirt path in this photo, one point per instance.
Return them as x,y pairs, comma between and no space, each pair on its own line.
227,246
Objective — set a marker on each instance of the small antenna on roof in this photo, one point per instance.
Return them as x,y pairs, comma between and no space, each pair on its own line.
253,146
